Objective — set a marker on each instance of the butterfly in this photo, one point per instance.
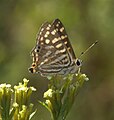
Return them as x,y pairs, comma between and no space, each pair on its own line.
53,53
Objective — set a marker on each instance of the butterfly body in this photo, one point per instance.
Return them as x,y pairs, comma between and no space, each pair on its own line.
53,53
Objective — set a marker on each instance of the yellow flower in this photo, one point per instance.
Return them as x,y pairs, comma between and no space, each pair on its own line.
48,93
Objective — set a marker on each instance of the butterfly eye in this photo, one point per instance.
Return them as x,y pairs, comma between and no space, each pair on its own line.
78,62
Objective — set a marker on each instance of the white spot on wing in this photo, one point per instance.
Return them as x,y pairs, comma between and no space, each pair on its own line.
63,50
41,38
36,57
45,35
60,51
53,32
40,33
49,25
59,45
35,50
42,29
62,37
47,32
55,40
61,30
48,28
57,25
47,41
65,42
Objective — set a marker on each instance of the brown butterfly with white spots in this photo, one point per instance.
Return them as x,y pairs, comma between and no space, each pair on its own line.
53,53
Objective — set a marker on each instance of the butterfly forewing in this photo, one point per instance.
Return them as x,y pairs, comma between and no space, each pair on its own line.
62,33
53,53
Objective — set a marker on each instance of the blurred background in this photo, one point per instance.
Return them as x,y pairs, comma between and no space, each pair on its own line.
85,21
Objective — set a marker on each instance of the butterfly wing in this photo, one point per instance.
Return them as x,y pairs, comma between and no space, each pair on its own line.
53,51
63,34
49,54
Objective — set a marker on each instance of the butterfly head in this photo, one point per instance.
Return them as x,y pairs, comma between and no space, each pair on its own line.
78,62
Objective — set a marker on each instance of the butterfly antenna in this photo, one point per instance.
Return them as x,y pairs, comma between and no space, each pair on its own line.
88,48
